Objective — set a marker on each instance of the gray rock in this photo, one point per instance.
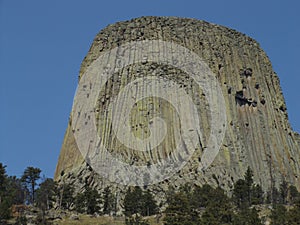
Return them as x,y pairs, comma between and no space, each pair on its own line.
258,131
74,217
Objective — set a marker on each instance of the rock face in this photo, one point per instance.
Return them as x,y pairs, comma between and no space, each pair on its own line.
258,132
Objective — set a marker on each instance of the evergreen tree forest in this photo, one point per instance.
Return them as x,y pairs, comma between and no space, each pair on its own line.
186,205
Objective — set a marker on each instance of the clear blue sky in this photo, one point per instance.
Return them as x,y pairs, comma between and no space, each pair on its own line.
42,44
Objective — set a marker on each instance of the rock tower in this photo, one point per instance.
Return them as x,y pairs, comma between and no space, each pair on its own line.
258,132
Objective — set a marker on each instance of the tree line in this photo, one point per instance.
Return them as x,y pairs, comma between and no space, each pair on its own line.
205,205
45,193
188,205
27,190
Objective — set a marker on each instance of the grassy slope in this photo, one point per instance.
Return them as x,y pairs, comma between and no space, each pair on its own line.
102,220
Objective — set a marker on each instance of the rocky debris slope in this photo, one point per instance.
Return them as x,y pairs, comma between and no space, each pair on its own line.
258,131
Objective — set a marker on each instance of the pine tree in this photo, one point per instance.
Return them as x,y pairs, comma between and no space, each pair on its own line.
257,195
249,183
293,215
15,190
201,196
80,205
132,201
141,202
275,196
246,193
247,217
180,210
5,197
5,209
89,201
279,215
3,178
294,195
149,205
240,194
11,193
29,178
219,209
92,201
65,194
283,192
45,194
108,201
